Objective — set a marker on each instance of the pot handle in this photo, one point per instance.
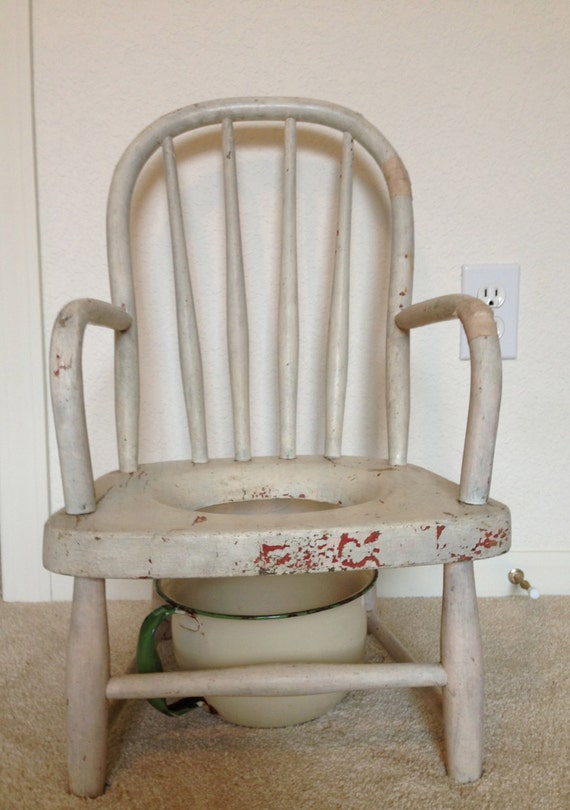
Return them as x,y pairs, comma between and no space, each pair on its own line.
148,660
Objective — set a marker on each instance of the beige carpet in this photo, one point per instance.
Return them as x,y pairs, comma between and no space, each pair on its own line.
374,750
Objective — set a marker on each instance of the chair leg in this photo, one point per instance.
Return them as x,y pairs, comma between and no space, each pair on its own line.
462,659
88,671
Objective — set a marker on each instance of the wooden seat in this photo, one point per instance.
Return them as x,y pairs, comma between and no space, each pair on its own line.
293,515
286,511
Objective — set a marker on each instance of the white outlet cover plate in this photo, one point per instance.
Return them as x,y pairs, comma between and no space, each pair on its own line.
474,277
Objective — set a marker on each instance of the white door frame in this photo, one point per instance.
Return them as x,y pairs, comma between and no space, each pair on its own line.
24,485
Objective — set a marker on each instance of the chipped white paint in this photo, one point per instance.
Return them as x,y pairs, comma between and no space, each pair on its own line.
153,524
66,383
271,515
486,382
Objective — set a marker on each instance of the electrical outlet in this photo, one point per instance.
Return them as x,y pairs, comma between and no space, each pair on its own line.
498,286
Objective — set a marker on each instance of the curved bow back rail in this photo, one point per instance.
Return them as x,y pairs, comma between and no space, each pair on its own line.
226,114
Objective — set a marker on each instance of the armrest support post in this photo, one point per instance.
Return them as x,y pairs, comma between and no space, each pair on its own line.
486,383
66,384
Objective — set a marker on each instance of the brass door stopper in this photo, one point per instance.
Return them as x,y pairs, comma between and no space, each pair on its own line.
516,576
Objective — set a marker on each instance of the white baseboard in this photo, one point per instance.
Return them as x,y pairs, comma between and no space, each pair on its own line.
547,571
62,588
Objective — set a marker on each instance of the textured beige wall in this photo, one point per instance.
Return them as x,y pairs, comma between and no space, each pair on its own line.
475,98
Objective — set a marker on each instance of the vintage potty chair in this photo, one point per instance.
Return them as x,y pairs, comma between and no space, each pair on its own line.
336,508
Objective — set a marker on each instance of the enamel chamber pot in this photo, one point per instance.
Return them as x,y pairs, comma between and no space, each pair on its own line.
237,621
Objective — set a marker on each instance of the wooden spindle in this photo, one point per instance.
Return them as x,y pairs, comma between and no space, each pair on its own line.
188,338
337,352
238,338
398,340
288,300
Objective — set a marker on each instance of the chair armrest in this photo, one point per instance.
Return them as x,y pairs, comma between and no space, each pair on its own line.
486,381
66,384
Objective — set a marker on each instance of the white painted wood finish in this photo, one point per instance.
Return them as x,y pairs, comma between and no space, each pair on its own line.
238,336
280,535
188,338
337,356
462,659
225,113
286,513
289,300
66,382
486,383
88,672
265,680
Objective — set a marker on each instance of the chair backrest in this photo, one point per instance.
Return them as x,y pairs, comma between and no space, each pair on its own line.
167,134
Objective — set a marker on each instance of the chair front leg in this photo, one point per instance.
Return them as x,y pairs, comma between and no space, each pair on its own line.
88,671
462,659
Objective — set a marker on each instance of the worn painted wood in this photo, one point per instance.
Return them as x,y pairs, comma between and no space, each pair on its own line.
255,109
266,680
289,301
238,339
127,378
337,352
281,514
486,383
462,659
88,671
66,383
397,517
188,338
397,339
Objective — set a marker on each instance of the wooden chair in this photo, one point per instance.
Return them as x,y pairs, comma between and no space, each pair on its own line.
144,520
